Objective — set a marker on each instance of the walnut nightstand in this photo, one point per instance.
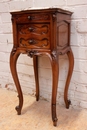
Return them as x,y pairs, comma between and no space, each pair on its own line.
42,32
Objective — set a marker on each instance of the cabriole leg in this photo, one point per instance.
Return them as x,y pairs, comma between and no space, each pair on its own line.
71,65
55,74
13,60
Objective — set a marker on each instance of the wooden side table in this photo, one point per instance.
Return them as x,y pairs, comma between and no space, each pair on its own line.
42,32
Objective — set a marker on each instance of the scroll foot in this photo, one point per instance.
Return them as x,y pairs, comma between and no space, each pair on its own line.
17,108
68,104
55,122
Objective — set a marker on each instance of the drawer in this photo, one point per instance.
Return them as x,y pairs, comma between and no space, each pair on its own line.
34,35
25,18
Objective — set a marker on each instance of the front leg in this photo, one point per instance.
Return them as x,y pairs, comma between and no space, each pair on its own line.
71,65
13,60
55,75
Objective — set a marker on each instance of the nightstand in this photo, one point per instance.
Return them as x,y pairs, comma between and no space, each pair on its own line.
42,32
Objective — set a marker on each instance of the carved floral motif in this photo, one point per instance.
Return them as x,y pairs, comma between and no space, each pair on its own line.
31,53
13,50
54,54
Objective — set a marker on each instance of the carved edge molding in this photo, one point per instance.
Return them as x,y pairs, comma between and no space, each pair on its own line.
55,52
63,51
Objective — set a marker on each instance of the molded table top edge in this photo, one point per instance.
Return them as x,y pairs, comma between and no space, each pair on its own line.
58,10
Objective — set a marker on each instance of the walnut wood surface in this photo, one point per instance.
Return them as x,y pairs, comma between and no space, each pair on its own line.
42,32
35,64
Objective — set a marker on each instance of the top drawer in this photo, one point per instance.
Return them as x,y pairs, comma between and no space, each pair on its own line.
25,18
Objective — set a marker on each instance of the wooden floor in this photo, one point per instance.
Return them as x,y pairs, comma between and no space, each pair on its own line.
37,115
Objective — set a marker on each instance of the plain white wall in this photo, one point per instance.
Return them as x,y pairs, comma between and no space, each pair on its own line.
78,85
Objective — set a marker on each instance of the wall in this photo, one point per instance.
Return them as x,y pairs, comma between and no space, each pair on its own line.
78,85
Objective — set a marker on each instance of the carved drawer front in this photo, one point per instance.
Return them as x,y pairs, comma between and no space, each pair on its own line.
27,18
34,35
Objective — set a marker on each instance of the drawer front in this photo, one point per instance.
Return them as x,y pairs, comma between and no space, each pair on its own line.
34,35
25,18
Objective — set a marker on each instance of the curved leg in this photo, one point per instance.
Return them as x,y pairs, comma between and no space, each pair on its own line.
71,65
55,74
35,64
13,60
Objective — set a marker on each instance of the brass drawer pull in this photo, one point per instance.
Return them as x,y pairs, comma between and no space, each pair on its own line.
30,17
32,41
31,29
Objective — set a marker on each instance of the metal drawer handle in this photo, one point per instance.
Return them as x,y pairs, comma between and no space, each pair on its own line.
30,17
31,29
32,41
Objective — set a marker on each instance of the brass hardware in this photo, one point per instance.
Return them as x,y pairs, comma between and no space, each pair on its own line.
29,17
31,29
32,41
